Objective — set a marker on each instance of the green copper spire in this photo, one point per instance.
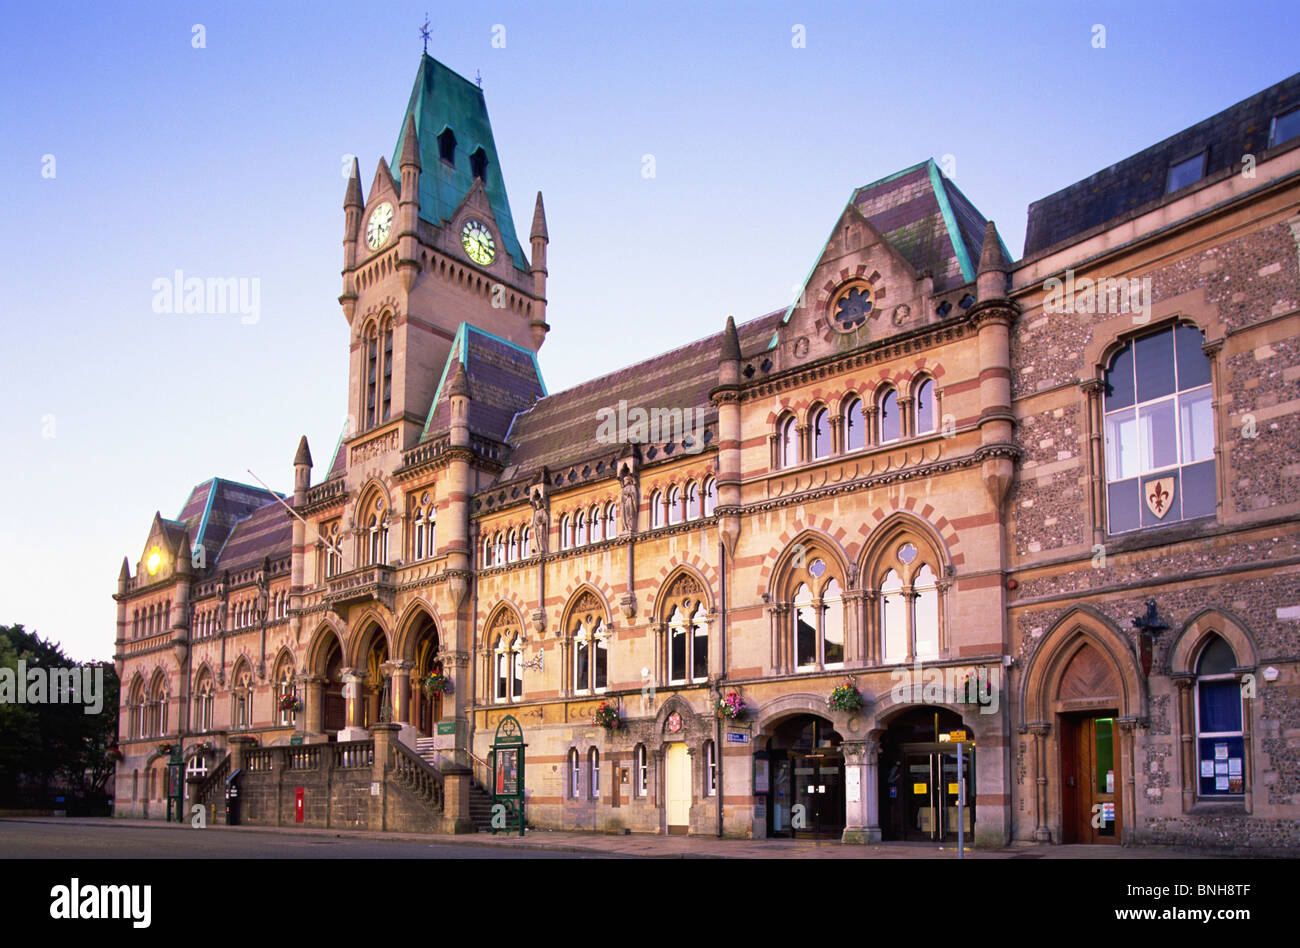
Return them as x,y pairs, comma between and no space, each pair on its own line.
441,100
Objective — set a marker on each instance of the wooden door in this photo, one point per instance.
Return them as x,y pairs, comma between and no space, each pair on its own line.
1090,780
677,787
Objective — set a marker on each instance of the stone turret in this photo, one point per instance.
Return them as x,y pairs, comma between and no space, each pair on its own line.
353,204
539,239
994,314
408,207
726,395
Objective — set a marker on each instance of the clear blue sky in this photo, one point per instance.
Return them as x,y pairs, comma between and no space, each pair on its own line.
226,161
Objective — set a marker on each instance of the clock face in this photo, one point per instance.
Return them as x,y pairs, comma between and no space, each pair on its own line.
380,226
480,246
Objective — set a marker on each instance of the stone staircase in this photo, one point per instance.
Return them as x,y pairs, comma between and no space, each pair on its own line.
480,801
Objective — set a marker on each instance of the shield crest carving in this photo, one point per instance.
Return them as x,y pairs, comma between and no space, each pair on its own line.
1160,495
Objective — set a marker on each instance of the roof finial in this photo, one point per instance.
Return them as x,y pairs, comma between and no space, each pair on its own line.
424,32
478,77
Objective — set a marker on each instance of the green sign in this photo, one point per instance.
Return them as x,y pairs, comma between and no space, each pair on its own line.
446,727
508,772
295,741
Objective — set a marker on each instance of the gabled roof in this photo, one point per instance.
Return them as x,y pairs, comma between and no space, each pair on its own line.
504,379
442,99
561,429
266,532
927,219
214,507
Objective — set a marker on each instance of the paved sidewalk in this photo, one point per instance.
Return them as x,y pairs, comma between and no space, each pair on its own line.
679,847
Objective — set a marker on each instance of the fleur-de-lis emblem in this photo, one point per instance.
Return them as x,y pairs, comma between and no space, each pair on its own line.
1160,495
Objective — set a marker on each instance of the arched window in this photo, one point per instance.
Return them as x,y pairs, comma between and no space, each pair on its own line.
373,514
674,504
789,443
593,761
597,522
611,530
710,769
817,613
243,698
333,550
526,543
1159,431
203,696
688,630
1221,752
855,426
422,539
566,532
158,706
821,432
501,663
710,496
575,775
927,409
832,618
499,553
580,528
640,772
590,655
284,691
656,509
909,601
506,671
805,627
891,428
136,706
692,501
487,552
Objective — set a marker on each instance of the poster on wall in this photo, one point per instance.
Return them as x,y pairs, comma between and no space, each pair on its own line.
853,785
760,775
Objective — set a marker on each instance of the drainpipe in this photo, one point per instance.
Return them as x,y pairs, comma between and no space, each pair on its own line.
722,630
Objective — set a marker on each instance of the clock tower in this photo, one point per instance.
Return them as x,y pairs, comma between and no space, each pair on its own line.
427,250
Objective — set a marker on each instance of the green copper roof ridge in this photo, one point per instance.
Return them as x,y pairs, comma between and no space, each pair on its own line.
462,354
890,177
950,222
207,509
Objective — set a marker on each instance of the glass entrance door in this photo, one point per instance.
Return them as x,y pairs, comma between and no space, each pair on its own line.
819,789
931,784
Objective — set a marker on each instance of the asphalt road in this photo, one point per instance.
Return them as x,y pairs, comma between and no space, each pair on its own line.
31,840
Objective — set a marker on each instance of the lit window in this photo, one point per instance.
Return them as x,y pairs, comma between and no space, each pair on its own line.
1159,432
593,758
1188,171
656,509
710,769
1219,739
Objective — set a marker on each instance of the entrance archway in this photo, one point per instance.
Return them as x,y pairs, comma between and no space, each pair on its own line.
919,776
807,779
426,710
334,708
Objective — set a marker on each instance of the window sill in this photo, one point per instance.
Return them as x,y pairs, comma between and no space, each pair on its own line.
1233,807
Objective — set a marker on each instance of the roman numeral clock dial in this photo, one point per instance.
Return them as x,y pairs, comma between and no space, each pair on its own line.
478,242
379,226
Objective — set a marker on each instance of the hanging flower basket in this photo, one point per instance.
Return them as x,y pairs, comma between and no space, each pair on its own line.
290,703
606,716
164,750
845,697
115,753
436,684
731,706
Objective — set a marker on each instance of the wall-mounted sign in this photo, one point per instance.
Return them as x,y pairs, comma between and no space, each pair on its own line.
446,727
734,738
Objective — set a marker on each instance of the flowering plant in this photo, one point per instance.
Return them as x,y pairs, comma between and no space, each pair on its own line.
115,753
606,716
731,706
845,697
290,703
164,750
436,684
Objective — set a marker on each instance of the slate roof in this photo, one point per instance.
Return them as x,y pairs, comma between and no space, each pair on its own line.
443,99
561,429
927,219
266,532
1131,185
213,509
504,379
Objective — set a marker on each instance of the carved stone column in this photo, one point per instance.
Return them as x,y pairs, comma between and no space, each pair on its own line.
1129,744
1040,730
400,673
311,719
353,696
1188,775
859,811
1092,390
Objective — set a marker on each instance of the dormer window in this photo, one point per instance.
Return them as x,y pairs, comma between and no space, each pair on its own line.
1285,127
1188,171
447,146
478,164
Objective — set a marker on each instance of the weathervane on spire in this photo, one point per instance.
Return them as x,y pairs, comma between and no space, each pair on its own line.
478,77
424,32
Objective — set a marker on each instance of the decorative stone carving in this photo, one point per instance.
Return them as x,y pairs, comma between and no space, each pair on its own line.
629,504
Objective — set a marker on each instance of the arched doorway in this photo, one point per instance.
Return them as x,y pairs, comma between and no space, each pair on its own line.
807,782
334,708
376,654
919,777
426,709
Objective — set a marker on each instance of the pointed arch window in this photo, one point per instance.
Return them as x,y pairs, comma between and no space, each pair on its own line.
927,409
686,625
478,163
821,433
674,505
788,443
575,774
487,552
710,769
512,548
656,509
526,543
284,688
816,613
580,528
640,778
499,554
566,532
203,698
447,146
422,539
710,496
243,699
611,529
692,501
1220,742
909,614
597,522
855,426
373,515
590,655
333,550
593,761
891,426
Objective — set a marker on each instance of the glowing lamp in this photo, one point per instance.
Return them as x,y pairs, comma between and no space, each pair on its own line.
153,561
